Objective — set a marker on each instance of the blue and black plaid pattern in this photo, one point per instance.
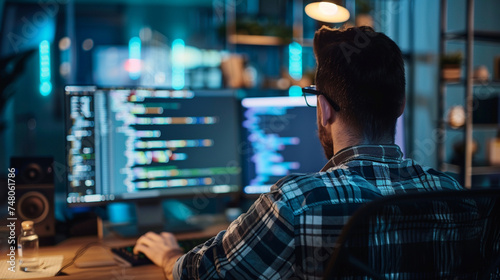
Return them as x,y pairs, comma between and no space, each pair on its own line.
289,232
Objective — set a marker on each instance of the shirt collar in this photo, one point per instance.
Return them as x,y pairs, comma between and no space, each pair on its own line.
380,153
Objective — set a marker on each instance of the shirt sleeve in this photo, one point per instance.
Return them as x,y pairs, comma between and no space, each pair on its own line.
258,245
177,271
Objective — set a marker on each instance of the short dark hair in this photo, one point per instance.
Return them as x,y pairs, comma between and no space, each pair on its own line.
363,72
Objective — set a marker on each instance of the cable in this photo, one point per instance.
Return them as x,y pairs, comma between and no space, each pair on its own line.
79,253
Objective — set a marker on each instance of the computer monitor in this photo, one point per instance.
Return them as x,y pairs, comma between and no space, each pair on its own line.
145,145
280,136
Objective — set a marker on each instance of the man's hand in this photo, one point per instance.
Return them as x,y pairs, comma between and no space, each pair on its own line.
162,249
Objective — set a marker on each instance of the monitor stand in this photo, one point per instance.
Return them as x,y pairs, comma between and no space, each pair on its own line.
151,216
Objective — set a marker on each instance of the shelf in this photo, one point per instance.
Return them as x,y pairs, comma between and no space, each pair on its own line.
476,170
486,126
258,40
239,39
476,83
485,170
476,126
448,167
473,89
479,35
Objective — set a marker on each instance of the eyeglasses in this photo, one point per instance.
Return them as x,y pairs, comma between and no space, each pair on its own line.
311,91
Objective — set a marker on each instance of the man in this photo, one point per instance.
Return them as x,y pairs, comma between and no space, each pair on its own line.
289,232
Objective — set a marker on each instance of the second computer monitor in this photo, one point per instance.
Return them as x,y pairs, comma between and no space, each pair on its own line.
280,138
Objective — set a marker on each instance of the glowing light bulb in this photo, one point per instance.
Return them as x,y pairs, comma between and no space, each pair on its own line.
327,12
328,8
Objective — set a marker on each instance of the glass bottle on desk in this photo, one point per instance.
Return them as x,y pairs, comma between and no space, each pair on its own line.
28,247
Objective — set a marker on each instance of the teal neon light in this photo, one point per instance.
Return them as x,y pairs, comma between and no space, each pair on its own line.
45,84
295,91
295,60
178,68
134,55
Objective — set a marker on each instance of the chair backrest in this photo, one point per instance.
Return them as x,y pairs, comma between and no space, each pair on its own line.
432,235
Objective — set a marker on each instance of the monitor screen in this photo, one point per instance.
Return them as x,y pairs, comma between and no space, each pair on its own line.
139,143
280,136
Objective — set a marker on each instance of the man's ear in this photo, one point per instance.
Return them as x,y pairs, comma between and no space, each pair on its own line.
327,113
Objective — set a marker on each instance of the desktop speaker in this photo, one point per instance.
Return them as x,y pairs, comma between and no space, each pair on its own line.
35,193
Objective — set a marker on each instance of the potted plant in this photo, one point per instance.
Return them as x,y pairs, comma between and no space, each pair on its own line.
451,66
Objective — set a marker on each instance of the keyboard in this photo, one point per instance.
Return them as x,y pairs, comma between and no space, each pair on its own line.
125,255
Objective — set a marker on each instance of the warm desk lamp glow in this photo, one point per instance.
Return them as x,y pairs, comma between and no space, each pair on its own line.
327,12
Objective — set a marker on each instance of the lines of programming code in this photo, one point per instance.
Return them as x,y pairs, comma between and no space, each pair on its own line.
282,139
157,140
160,139
80,139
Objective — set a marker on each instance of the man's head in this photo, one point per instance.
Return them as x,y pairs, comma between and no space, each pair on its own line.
363,72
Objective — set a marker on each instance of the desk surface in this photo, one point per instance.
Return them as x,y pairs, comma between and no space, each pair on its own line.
69,247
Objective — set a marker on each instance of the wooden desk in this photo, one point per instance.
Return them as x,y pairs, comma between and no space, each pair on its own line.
69,247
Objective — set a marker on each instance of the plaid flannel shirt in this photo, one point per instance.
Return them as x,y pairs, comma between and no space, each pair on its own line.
289,232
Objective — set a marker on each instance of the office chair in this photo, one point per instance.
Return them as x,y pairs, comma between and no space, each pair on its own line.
432,235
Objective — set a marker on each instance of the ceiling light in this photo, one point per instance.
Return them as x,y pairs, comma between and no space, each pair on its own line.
327,12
